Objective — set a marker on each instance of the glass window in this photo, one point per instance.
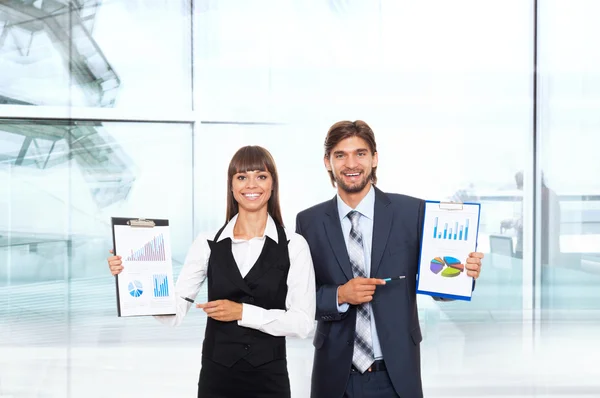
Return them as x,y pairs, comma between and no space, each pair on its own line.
34,53
139,53
121,54
60,190
34,246
570,189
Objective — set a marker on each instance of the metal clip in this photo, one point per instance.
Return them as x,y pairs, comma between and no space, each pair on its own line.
451,206
141,222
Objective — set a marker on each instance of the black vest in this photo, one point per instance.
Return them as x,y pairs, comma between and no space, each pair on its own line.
265,286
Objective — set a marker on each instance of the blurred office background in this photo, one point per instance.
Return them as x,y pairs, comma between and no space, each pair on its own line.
133,108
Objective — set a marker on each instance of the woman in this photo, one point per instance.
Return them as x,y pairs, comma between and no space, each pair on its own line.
261,286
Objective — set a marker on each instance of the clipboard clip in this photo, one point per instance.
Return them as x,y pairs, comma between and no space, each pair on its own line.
451,206
141,222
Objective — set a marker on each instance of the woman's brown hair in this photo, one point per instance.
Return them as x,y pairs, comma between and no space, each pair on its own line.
253,158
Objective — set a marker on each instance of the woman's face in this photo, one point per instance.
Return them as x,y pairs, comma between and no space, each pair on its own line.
252,190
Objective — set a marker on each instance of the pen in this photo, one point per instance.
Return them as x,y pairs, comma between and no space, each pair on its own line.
188,299
394,278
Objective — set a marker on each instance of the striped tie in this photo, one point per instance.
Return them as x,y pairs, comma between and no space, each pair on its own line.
362,357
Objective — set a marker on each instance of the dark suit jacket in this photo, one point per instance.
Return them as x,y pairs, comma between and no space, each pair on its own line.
398,221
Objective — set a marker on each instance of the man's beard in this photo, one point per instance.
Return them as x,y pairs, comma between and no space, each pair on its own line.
358,187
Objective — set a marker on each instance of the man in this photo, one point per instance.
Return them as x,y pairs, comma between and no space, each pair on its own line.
550,223
367,337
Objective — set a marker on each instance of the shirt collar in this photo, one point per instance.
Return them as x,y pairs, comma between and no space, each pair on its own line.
270,230
366,207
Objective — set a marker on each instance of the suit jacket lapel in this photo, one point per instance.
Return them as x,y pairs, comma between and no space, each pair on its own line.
333,228
382,224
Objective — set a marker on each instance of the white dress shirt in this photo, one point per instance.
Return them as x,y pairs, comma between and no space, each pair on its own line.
366,208
298,317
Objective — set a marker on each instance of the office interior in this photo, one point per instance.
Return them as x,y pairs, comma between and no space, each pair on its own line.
133,108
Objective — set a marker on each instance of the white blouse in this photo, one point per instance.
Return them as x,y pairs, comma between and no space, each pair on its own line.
298,319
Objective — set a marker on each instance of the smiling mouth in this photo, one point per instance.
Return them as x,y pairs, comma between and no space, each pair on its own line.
352,175
251,196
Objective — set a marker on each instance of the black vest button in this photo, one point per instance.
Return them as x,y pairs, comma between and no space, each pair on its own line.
247,347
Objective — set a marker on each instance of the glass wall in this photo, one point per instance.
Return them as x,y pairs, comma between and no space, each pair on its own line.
570,192
61,188
67,166
122,108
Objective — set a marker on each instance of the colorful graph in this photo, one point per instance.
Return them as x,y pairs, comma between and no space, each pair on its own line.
446,266
135,288
151,251
161,285
455,233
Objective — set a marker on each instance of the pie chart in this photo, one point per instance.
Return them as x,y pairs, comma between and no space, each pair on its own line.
446,266
135,288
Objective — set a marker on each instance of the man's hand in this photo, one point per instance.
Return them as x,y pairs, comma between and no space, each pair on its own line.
473,264
223,310
358,290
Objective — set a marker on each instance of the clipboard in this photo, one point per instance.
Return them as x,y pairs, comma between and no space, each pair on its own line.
450,232
145,286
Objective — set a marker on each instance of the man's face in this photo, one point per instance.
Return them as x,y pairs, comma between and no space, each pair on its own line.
351,163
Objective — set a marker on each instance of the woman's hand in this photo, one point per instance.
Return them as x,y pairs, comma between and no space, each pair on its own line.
115,264
223,310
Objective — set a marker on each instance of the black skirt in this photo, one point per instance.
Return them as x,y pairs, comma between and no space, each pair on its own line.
242,380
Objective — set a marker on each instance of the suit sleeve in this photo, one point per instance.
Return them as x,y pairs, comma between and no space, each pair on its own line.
327,308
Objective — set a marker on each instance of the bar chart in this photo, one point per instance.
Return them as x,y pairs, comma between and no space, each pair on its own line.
451,230
153,250
161,285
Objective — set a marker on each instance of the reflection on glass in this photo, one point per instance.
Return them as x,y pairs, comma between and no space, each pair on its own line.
120,54
34,51
91,171
34,246
60,182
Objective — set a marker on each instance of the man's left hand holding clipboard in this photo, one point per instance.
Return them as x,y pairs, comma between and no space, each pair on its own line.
145,285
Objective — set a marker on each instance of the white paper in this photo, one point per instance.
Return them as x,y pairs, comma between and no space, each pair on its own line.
449,235
146,283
